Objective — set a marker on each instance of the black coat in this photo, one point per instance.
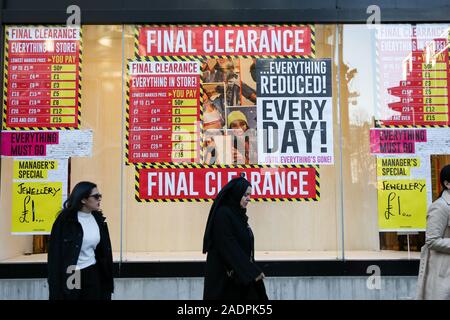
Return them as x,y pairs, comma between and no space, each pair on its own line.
230,267
64,248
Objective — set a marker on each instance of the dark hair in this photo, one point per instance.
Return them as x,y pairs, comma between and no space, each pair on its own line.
220,89
82,190
444,176
253,71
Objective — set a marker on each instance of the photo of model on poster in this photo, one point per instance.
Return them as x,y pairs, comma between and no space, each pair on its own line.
229,111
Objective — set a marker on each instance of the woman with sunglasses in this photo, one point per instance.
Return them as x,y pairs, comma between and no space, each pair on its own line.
80,256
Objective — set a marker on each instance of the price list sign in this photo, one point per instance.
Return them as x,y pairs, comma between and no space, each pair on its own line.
41,85
164,111
423,93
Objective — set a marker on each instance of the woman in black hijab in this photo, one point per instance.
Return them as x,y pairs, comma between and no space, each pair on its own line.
231,271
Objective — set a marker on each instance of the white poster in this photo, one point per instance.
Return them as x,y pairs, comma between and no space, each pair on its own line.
294,111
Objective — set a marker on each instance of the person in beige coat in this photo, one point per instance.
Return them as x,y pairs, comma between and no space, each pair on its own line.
434,271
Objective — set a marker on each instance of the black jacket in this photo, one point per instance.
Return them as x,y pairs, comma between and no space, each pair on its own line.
64,248
230,267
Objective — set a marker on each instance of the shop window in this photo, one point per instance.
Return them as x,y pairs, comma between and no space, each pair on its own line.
368,82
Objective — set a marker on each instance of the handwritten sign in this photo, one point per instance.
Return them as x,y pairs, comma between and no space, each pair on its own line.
438,140
39,189
35,206
72,143
402,205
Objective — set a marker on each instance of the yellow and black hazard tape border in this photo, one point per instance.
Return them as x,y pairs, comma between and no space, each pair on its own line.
5,78
203,58
379,124
197,166
127,112
5,83
194,58
80,78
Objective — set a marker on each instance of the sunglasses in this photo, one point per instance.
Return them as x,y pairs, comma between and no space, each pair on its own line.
97,196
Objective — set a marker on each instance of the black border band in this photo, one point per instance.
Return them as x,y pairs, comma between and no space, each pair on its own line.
245,15
196,269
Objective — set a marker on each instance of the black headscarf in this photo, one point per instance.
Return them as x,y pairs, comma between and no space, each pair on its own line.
230,195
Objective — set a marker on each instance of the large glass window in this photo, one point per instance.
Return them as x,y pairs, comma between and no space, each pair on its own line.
386,114
394,93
